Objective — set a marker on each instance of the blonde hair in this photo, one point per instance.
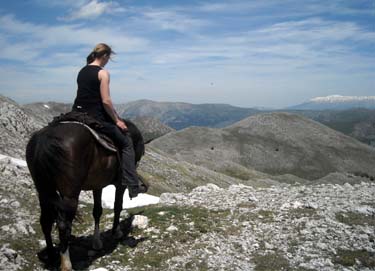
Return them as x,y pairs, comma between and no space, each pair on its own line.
100,50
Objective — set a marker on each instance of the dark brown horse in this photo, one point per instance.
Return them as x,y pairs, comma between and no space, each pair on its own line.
63,160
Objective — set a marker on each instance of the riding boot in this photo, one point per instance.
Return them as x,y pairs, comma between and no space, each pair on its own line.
129,174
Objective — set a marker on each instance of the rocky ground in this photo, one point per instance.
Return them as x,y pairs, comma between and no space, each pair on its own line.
282,227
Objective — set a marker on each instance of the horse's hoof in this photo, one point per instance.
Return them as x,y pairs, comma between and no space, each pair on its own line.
50,257
97,244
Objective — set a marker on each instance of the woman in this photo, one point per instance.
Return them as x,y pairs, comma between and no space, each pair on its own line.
93,97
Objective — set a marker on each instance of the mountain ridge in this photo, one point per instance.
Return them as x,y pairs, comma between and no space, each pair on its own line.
336,102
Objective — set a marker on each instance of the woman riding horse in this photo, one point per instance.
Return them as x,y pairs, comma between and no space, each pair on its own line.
65,158
93,97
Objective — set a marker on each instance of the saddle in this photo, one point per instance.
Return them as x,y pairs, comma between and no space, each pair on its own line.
84,119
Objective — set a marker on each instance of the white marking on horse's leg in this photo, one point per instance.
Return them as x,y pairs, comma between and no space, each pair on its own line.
66,264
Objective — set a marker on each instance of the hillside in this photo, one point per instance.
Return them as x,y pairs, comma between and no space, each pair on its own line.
16,127
165,174
151,128
182,115
358,123
274,143
45,112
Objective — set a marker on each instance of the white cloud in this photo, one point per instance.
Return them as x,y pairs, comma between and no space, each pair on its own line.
172,20
92,10
60,3
276,42
23,41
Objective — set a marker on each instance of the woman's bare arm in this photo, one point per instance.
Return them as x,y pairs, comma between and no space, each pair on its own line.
106,99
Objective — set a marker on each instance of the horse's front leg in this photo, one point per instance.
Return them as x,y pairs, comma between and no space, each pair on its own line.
97,243
116,230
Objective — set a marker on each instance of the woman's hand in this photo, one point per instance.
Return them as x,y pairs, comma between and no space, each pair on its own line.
121,125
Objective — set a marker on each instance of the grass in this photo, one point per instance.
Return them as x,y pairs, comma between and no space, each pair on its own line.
263,216
271,262
353,218
350,257
236,173
298,213
191,224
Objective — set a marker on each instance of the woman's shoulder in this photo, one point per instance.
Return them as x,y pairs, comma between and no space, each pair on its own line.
103,74
104,71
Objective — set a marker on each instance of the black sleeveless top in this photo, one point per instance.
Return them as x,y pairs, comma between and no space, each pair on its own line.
88,94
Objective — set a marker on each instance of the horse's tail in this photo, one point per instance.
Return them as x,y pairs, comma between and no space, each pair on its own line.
46,158
137,138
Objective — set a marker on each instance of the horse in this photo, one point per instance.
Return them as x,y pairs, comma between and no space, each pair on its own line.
64,159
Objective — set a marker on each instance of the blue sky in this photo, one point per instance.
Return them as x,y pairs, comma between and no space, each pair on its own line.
246,53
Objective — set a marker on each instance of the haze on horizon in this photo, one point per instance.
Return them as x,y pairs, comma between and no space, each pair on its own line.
243,53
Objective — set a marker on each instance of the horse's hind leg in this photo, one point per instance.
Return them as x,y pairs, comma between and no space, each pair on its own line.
116,230
66,216
47,218
97,244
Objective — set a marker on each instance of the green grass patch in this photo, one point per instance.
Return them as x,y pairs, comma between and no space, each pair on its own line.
191,223
353,218
236,173
298,213
184,218
349,258
246,205
271,262
263,216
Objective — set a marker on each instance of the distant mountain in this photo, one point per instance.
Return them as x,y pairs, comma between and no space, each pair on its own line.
274,143
337,102
182,115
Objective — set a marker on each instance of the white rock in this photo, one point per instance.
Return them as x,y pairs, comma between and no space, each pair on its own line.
297,205
140,221
205,189
172,228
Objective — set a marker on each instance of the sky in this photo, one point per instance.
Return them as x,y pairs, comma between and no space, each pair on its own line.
246,53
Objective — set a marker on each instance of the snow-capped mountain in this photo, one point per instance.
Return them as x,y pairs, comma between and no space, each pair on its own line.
337,102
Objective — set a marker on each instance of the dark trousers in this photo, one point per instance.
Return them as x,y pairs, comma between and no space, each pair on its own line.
125,143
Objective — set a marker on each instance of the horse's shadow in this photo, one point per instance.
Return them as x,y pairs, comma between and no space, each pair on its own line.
82,255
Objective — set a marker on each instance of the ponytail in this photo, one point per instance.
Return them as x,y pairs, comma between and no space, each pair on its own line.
100,50
91,57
